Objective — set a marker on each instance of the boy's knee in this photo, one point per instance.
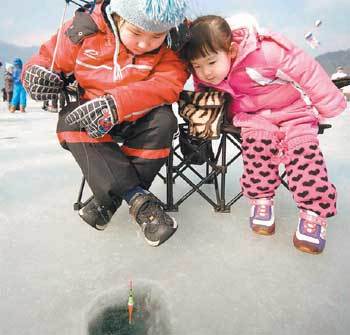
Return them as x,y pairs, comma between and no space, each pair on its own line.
165,119
61,124
63,144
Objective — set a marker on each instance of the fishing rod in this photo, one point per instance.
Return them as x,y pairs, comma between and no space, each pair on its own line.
82,5
86,5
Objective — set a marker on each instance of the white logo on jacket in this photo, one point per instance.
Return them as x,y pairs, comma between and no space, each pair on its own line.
91,53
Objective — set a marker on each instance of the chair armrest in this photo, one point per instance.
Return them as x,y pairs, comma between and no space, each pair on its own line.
322,127
230,128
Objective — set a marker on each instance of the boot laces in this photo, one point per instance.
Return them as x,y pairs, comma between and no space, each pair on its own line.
310,226
261,210
154,213
262,206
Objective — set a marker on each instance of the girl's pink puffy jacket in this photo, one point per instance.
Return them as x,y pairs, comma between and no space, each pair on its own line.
273,78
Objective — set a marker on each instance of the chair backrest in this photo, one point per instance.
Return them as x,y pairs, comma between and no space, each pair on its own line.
342,82
204,112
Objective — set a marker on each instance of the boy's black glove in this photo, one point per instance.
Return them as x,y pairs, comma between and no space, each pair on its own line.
97,116
42,84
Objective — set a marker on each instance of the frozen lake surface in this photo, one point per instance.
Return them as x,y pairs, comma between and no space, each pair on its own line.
213,277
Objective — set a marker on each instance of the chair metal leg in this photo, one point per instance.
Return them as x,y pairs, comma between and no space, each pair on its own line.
284,183
235,199
223,208
170,207
196,188
80,204
207,166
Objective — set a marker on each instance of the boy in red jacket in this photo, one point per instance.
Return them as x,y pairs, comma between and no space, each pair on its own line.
130,78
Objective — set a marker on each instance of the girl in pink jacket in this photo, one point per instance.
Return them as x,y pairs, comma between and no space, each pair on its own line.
279,96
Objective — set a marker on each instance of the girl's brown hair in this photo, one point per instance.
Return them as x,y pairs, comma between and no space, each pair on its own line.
209,34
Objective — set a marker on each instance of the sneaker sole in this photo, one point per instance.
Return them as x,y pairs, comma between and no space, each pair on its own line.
100,228
264,231
305,246
97,227
157,243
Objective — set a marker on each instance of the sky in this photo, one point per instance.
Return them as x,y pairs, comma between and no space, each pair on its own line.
29,23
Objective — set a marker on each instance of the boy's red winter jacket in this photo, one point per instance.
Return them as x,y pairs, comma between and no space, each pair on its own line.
149,80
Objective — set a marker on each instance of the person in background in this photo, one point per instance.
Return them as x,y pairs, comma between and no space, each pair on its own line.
19,94
280,94
3,89
8,80
339,74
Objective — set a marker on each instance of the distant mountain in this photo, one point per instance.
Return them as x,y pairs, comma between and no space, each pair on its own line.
331,60
10,51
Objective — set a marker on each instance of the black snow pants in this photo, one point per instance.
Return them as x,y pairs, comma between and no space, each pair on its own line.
111,168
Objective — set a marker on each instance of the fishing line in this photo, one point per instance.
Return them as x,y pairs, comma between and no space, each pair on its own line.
59,36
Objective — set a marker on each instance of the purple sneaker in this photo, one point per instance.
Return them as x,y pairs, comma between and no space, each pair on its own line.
310,235
262,216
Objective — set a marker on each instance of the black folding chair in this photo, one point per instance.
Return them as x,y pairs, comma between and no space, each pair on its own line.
190,153
187,155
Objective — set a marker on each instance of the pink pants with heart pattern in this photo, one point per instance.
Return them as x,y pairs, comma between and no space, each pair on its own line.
307,177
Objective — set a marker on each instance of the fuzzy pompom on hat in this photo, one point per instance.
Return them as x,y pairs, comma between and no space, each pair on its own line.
150,15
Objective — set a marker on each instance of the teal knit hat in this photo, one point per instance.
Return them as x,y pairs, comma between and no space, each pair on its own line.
156,16
150,15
